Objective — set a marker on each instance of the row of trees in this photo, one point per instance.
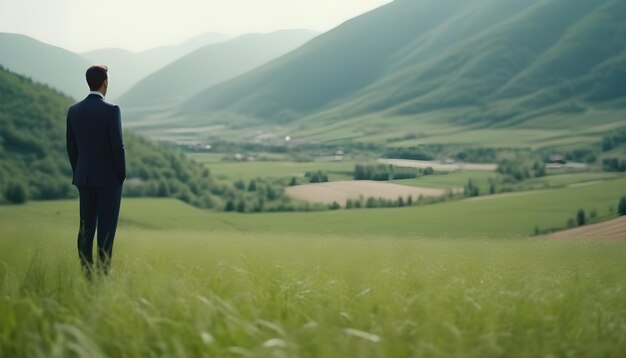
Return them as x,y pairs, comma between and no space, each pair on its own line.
521,168
614,165
384,172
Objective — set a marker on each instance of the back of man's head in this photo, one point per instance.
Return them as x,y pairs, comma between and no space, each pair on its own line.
96,75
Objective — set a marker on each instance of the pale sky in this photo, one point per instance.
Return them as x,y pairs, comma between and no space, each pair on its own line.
82,25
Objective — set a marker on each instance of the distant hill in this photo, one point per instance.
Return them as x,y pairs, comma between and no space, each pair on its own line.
127,68
210,65
54,66
492,62
33,158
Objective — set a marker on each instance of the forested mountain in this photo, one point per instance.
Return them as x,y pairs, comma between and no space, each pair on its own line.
33,158
54,66
501,61
210,65
127,68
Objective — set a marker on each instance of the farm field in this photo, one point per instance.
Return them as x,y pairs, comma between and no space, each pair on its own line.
609,230
439,166
247,170
451,180
370,283
341,191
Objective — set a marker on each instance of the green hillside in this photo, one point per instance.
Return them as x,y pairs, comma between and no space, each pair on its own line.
127,68
33,158
428,66
208,66
54,66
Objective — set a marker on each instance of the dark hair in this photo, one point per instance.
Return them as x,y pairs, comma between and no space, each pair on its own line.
96,75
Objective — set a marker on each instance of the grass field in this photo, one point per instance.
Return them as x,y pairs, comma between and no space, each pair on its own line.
455,279
336,170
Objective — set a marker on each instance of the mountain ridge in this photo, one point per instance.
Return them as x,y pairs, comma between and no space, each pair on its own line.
131,67
489,57
210,65
52,65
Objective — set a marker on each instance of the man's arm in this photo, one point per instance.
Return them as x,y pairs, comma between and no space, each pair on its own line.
72,147
117,144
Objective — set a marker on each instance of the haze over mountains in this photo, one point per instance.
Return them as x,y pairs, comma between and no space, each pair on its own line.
181,76
127,68
209,65
54,66
407,69
64,70
499,61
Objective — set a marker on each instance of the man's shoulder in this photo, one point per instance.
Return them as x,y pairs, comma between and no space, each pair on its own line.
108,104
99,106
94,102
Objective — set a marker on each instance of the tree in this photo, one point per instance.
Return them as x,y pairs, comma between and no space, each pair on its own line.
621,208
581,217
252,185
241,206
240,185
16,193
471,190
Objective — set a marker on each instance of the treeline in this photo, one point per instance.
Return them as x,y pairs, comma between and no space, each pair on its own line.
385,172
521,168
411,153
377,202
33,158
258,195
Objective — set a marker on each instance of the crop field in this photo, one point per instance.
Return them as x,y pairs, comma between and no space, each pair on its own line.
453,279
341,191
247,170
609,230
451,180
439,166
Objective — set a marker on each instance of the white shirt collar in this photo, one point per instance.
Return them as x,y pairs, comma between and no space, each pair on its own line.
96,92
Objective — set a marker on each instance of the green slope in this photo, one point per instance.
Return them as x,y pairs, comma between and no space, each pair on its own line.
56,67
33,154
490,63
210,65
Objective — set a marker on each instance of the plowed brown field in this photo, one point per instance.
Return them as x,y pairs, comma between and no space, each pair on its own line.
610,230
341,191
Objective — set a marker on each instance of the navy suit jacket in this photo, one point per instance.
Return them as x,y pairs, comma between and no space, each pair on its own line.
94,143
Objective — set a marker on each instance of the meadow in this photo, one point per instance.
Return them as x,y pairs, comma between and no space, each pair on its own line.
281,168
460,279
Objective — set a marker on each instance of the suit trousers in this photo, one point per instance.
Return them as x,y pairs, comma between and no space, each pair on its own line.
99,207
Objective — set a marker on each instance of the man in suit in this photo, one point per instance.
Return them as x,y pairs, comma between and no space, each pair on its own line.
96,152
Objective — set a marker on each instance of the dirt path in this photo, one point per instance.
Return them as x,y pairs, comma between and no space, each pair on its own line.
341,191
614,230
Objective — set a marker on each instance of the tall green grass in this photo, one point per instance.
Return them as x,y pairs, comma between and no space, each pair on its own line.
177,293
416,281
